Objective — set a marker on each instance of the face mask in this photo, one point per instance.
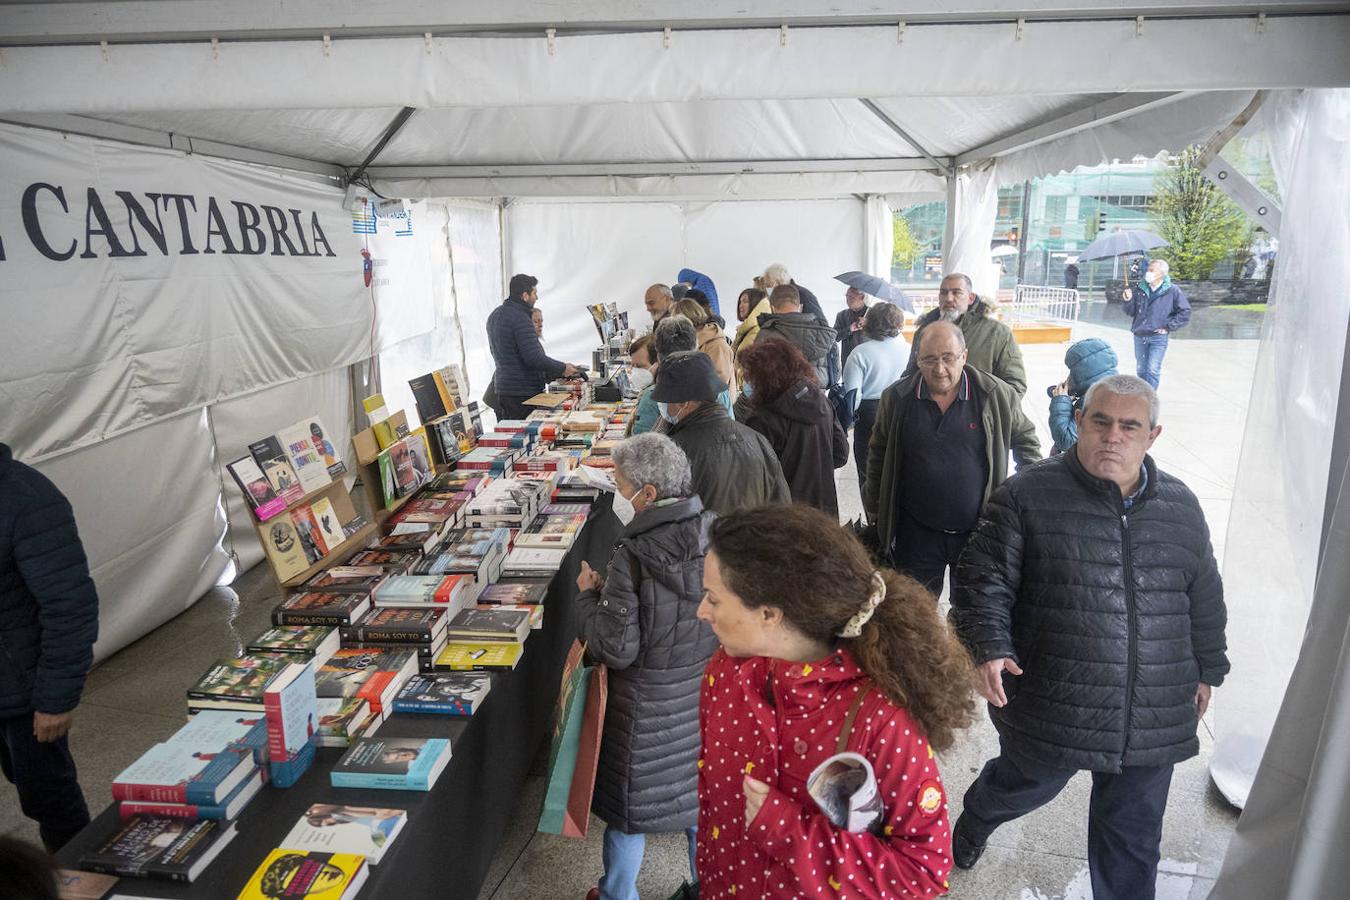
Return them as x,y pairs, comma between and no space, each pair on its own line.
747,389
641,379
624,510
1152,277
664,409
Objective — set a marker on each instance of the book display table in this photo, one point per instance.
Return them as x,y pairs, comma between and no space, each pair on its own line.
453,831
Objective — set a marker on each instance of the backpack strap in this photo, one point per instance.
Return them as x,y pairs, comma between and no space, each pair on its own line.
846,732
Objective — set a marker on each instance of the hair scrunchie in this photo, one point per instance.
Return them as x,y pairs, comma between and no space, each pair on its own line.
853,628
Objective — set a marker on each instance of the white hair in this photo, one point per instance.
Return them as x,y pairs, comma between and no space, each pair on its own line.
654,459
777,273
1161,264
1125,386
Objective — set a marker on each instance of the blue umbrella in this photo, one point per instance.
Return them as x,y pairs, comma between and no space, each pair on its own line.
1119,243
876,287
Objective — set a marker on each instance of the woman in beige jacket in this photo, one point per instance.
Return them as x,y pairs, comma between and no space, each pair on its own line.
711,340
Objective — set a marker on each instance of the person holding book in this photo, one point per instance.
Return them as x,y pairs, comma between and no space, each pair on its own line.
523,368
48,624
640,620
822,654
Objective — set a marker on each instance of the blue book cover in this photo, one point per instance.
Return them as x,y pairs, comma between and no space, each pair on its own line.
181,773
212,729
286,774
402,764
445,693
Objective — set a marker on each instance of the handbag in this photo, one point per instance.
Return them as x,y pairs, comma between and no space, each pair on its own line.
841,401
575,753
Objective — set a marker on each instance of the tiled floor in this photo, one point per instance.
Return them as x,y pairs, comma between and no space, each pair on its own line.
134,698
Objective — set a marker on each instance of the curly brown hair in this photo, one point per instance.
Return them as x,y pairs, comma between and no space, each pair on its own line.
802,561
773,366
883,320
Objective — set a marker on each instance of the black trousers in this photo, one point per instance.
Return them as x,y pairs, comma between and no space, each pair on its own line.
863,419
1125,817
44,774
513,407
925,553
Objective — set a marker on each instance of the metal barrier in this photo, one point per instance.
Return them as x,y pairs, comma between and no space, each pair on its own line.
1038,303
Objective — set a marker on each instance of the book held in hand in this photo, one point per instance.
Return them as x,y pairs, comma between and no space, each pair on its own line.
845,788
444,693
160,847
337,828
290,873
395,763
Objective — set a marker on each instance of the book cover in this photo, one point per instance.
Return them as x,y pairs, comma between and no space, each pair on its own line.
452,382
565,509
160,847
257,489
388,479
276,468
326,449
307,531
514,593
466,656
243,678
419,456
227,809
288,873
210,729
398,625
489,624
375,408
528,560
177,773
374,674
286,774
340,719
349,579
551,531
330,526
427,397
288,703
444,693
298,445
405,764
316,642
337,828
283,547
422,590
405,476
320,608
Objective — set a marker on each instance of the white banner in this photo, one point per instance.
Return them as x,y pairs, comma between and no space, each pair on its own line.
140,283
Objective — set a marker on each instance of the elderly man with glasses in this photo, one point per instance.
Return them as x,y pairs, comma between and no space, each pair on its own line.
992,346
939,447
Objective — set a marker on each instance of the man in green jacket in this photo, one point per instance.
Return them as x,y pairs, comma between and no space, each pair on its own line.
992,347
939,447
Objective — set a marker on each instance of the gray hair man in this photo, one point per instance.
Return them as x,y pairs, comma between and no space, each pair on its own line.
993,349
1157,309
939,447
640,620
1092,605
658,300
777,274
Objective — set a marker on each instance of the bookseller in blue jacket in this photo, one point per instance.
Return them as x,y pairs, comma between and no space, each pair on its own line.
48,623
641,620
523,368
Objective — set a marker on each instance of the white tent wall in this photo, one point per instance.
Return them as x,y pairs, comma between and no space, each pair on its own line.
1274,529
972,207
879,237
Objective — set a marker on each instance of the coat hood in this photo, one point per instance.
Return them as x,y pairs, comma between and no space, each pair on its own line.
703,283
661,536
803,329
1088,361
803,402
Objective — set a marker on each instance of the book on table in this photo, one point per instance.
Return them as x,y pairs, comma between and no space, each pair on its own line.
160,847
398,625
341,719
516,592
486,656
414,537
373,674
237,683
257,489
320,608
533,561
445,591
339,828
178,773
394,563
316,642
393,763
312,873
489,623
551,531
347,579
210,729
229,808
289,707
444,693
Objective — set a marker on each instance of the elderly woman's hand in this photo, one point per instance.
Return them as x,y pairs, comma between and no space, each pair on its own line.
589,579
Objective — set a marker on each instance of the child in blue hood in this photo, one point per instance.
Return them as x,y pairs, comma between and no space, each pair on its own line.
1089,361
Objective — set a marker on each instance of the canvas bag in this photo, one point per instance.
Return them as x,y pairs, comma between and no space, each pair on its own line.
575,753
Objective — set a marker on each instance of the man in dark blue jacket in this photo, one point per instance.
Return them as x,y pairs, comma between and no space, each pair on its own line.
1158,308
523,368
48,623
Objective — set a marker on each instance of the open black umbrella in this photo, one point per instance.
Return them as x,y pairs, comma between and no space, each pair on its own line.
876,287
1119,243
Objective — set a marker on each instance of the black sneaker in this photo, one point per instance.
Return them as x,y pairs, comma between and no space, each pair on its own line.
965,852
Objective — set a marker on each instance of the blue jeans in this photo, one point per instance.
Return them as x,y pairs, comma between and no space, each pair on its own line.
1148,356
623,857
1125,817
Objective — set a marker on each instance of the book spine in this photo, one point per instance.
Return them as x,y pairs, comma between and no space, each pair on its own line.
150,793
370,780
175,810
447,709
284,617
276,727
419,636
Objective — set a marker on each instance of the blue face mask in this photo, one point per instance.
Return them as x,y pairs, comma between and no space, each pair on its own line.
664,409
747,389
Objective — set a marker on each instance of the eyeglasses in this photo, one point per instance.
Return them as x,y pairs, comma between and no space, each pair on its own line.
947,359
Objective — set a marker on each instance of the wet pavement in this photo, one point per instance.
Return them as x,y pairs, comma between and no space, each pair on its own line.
1209,322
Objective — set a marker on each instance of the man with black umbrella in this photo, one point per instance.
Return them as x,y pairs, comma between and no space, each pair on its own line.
848,324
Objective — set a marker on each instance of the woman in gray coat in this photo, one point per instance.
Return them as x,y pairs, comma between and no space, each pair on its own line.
641,621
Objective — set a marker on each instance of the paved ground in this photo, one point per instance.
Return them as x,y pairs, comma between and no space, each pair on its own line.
135,697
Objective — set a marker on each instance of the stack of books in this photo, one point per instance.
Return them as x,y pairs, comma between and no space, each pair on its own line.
494,461
391,562
489,656
344,719
506,502
348,579
508,440
168,847
392,763
507,624
514,592
396,628
374,674
209,769
316,642
553,531
444,693
533,562
320,608
478,552
456,481
447,592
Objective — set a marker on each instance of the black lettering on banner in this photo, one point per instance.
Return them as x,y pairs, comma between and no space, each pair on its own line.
215,225
180,201
136,213
248,225
34,228
276,220
317,237
300,233
94,210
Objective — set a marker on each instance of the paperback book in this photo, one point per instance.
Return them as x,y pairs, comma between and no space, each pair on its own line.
288,703
347,580
337,828
330,527
309,535
228,809
298,444
449,592
514,593
469,657
316,642
340,720
282,545
444,693
237,683
210,729
276,468
489,624
290,873
372,674
398,625
160,847
396,763
320,608
176,773
257,490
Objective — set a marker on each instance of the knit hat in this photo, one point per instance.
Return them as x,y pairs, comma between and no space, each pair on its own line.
1088,361
687,375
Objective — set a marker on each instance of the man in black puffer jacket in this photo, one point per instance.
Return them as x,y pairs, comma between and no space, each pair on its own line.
1092,605
48,624
523,368
641,620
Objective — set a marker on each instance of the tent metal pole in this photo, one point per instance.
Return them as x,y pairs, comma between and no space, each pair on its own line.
890,123
399,120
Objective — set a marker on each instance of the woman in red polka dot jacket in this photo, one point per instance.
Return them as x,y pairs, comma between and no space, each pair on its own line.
818,644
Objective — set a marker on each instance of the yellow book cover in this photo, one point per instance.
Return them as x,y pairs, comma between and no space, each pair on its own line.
466,656
448,391
375,408
288,873
384,433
